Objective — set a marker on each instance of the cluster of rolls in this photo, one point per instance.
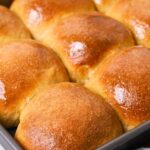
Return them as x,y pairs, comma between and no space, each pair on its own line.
74,74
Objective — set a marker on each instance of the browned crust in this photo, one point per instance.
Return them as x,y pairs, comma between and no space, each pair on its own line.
124,81
25,66
83,40
67,116
134,14
11,27
36,12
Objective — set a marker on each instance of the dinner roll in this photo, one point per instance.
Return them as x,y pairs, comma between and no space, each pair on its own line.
39,15
124,81
135,14
67,116
25,67
11,27
81,40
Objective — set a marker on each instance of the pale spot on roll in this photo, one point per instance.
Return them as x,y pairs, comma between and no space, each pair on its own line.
77,50
35,16
120,94
139,28
98,1
2,91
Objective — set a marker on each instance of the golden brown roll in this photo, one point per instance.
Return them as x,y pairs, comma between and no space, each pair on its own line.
124,81
39,15
133,13
11,27
25,67
81,40
88,42
67,116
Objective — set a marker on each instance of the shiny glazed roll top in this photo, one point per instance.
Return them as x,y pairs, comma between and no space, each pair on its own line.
134,14
67,116
124,82
81,40
40,15
84,40
25,67
11,26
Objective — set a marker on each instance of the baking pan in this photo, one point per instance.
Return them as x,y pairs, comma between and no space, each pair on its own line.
7,142
131,140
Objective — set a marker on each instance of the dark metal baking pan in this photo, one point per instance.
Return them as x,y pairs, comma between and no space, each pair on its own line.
7,142
130,140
